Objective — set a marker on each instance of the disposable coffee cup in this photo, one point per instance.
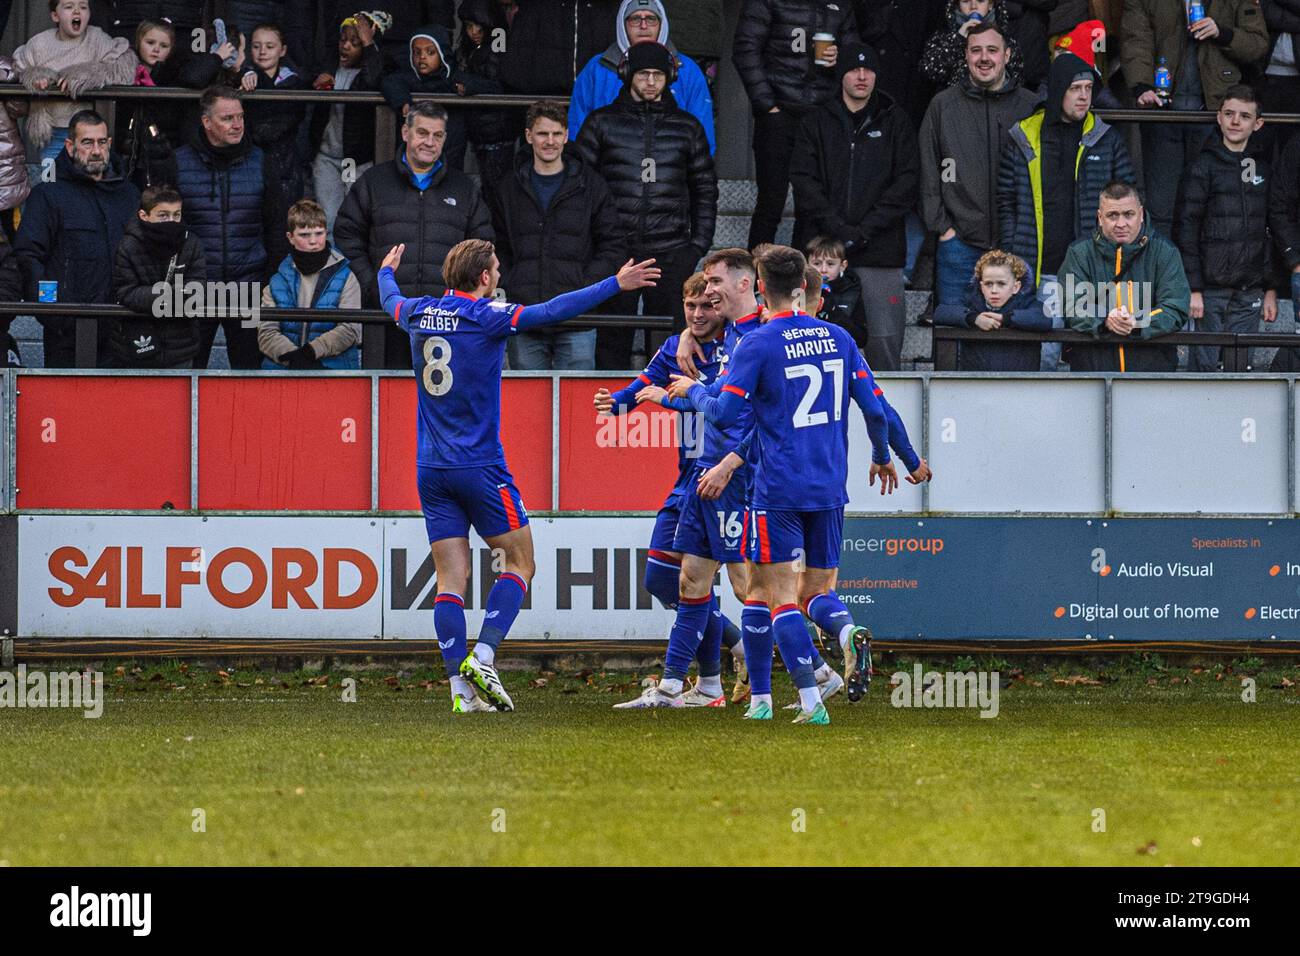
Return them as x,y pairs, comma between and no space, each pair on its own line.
820,42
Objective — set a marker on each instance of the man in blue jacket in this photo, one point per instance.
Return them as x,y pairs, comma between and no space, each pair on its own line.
233,204
599,83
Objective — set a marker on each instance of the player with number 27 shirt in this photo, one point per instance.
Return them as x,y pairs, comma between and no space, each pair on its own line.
458,344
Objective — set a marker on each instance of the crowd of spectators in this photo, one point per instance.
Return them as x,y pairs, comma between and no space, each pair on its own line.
943,145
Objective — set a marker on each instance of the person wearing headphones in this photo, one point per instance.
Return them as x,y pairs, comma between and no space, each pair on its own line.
655,158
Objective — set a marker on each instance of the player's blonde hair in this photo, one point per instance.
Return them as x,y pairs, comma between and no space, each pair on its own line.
466,263
694,285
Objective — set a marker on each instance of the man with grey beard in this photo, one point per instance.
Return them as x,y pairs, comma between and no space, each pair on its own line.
70,230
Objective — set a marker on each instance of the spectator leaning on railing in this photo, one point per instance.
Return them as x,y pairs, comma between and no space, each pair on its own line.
341,132
1000,295
1126,279
71,228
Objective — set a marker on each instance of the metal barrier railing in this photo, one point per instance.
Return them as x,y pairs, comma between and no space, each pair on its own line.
372,347
105,99
1236,346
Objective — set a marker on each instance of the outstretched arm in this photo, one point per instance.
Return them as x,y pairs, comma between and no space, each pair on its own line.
633,275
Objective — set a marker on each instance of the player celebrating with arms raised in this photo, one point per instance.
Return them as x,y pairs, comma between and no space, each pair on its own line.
800,375
458,344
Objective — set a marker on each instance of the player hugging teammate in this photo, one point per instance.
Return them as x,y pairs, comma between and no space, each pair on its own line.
794,377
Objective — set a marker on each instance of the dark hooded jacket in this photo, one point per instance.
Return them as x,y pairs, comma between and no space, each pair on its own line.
678,205
1021,311
898,30
478,69
944,59
1099,157
577,240
70,231
273,126
1222,223
150,341
398,86
856,176
1028,20
776,71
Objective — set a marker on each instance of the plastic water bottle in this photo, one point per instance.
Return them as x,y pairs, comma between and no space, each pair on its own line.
1195,12
1164,82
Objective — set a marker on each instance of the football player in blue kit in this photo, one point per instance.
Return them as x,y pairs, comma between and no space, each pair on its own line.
458,344
799,375
664,562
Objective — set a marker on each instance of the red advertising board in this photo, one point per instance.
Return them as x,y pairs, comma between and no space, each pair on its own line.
103,442
525,433
284,443
622,463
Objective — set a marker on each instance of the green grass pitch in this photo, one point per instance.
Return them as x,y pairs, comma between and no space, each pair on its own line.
285,772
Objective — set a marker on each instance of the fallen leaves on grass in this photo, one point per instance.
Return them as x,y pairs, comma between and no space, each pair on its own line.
1150,849
1075,680
539,683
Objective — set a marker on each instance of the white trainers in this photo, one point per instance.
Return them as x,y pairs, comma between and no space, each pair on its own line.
485,678
828,688
470,705
697,698
653,697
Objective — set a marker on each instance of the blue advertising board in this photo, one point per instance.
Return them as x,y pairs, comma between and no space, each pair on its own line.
1125,579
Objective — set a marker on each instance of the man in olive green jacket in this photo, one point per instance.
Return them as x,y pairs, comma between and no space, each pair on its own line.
1125,280
1227,41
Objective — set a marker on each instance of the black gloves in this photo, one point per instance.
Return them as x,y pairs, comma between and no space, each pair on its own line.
303,358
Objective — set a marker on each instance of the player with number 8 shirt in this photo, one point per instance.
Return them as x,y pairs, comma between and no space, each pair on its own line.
458,343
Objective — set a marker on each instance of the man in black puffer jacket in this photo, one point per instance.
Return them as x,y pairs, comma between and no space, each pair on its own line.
656,160
71,228
773,51
557,230
856,172
1221,228
415,199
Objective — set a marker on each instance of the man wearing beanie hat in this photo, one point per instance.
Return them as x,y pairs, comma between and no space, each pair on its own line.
856,172
655,158
1051,176
640,21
